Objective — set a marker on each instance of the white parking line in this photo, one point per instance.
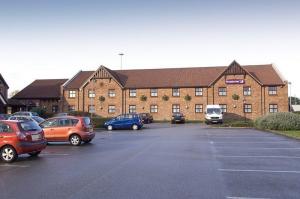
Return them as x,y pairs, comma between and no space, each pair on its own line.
253,142
262,148
259,171
54,154
14,165
244,198
253,156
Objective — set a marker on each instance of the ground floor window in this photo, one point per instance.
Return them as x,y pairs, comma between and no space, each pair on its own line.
111,109
91,109
132,108
198,108
175,108
223,108
247,108
71,108
54,109
273,108
92,94
153,109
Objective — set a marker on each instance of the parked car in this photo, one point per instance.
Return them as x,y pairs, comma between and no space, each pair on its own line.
213,114
61,114
124,121
177,118
68,129
25,113
27,118
19,138
4,116
146,118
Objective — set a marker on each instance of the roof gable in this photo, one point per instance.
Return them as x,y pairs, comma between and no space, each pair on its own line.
3,81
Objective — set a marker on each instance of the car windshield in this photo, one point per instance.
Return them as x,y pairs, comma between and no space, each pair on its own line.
87,121
38,119
30,126
34,114
177,115
213,111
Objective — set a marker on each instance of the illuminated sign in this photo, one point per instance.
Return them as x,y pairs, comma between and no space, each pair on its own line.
235,81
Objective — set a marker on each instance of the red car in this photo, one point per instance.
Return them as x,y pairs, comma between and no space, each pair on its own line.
68,128
20,137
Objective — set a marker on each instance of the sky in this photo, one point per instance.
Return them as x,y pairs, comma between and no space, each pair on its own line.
52,39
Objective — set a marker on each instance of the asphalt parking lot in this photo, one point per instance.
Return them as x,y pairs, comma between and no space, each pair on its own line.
161,161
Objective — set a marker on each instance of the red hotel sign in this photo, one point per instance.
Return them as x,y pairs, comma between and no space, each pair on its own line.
235,81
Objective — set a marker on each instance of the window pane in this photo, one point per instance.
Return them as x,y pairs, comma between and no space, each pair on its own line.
175,108
222,91
153,108
198,91
132,92
111,93
198,108
132,109
176,92
153,92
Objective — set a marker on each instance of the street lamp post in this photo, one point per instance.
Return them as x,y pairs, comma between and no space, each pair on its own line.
290,100
121,57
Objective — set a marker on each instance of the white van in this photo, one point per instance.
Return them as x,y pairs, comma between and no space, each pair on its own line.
213,114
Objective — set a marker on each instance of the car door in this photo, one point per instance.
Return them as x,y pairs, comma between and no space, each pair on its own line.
6,134
63,128
49,128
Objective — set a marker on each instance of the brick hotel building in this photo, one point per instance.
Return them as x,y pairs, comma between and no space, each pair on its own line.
242,91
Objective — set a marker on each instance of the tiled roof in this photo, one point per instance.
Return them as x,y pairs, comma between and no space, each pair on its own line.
3,81
41,89
178,77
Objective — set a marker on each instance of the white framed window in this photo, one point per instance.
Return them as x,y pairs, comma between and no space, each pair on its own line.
92,94
111,109
175,108
223,108
198,108
132,92
222,91
91,109
272,90
247,108
273,108
54,108
198,91
153,92
247,90
111,93
132,108
72,94
153,108
175,92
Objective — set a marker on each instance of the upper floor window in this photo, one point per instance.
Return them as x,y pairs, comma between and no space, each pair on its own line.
153,92
72,94
54,108
92,94
198,91
223,108
111,93
247,108
91,109
132,92
175,108
111,109
153,109
71,108
247,90
198,108
222,91
175,92
273,108
132,108
272,90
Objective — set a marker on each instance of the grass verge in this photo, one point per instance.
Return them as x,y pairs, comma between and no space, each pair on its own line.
291,134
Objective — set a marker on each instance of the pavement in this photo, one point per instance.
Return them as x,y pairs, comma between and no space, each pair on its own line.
161,161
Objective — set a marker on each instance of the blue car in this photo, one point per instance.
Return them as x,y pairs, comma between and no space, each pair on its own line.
125,121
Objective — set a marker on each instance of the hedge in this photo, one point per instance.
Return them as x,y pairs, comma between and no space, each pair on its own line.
279,121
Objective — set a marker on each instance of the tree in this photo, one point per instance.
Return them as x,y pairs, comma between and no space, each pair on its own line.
13,93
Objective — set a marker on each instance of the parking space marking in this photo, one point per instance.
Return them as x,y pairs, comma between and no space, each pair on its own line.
258,171
244,198
253,142
261,148
54,154
14,165
258,156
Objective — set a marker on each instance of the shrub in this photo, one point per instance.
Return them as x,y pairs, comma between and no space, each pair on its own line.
98,122
41,112
101,98
80,113
235,97
279,121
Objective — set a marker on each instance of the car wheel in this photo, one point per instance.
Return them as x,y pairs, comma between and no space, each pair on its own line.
109,127
8,154
135,127
36,153
75,140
